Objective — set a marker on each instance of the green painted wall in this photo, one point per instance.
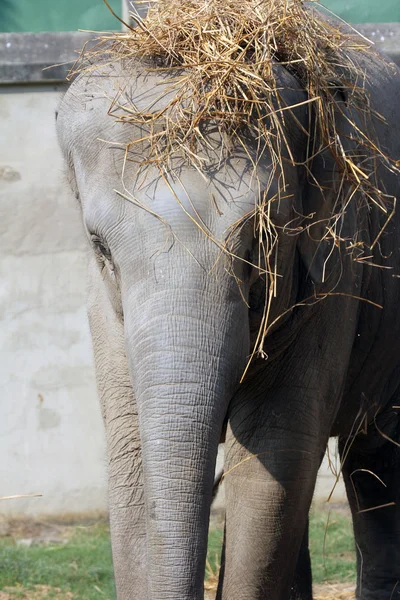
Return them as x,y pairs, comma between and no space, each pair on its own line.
70,15
365,11
57,15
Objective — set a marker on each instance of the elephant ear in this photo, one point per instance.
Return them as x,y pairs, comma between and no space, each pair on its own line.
322,196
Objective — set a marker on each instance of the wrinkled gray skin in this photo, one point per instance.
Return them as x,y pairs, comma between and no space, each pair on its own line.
172,334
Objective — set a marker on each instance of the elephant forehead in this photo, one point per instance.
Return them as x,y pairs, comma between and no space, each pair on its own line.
225,197
196,208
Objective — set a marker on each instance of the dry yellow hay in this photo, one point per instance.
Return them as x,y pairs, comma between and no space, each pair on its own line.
339,591
220,58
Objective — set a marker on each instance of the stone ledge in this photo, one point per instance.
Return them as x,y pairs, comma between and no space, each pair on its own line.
25,55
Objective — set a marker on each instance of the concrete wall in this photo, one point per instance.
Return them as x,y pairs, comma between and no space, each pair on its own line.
51,434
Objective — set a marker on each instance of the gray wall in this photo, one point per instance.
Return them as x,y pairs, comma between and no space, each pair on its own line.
51,434
51,437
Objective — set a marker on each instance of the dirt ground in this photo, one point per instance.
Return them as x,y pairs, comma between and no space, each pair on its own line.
45,532
39,592
43,592
339,591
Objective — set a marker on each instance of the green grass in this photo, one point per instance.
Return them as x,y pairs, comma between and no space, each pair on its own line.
84,567
215,539
332,548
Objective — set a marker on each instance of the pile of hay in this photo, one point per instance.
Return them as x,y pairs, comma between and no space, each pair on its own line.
219,57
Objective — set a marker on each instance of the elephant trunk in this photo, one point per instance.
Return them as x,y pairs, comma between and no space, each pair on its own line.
184,363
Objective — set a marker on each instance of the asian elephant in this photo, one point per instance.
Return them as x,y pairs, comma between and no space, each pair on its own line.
174,318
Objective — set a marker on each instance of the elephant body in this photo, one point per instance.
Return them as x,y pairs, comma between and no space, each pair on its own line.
174,322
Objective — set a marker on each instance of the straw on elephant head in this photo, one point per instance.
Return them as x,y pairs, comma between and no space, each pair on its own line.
221,56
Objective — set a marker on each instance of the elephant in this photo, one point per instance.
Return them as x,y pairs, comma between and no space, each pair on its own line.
174,319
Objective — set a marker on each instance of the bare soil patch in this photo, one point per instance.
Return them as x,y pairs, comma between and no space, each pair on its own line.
46,531
335,591
38,592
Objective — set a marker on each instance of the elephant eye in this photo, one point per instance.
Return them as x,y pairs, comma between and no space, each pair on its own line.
101,247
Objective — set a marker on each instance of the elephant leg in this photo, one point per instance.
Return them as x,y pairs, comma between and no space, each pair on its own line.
372,476
125,485
302,584
272,456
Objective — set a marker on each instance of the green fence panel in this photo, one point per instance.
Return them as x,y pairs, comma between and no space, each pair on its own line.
70,15
365,11
57,15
